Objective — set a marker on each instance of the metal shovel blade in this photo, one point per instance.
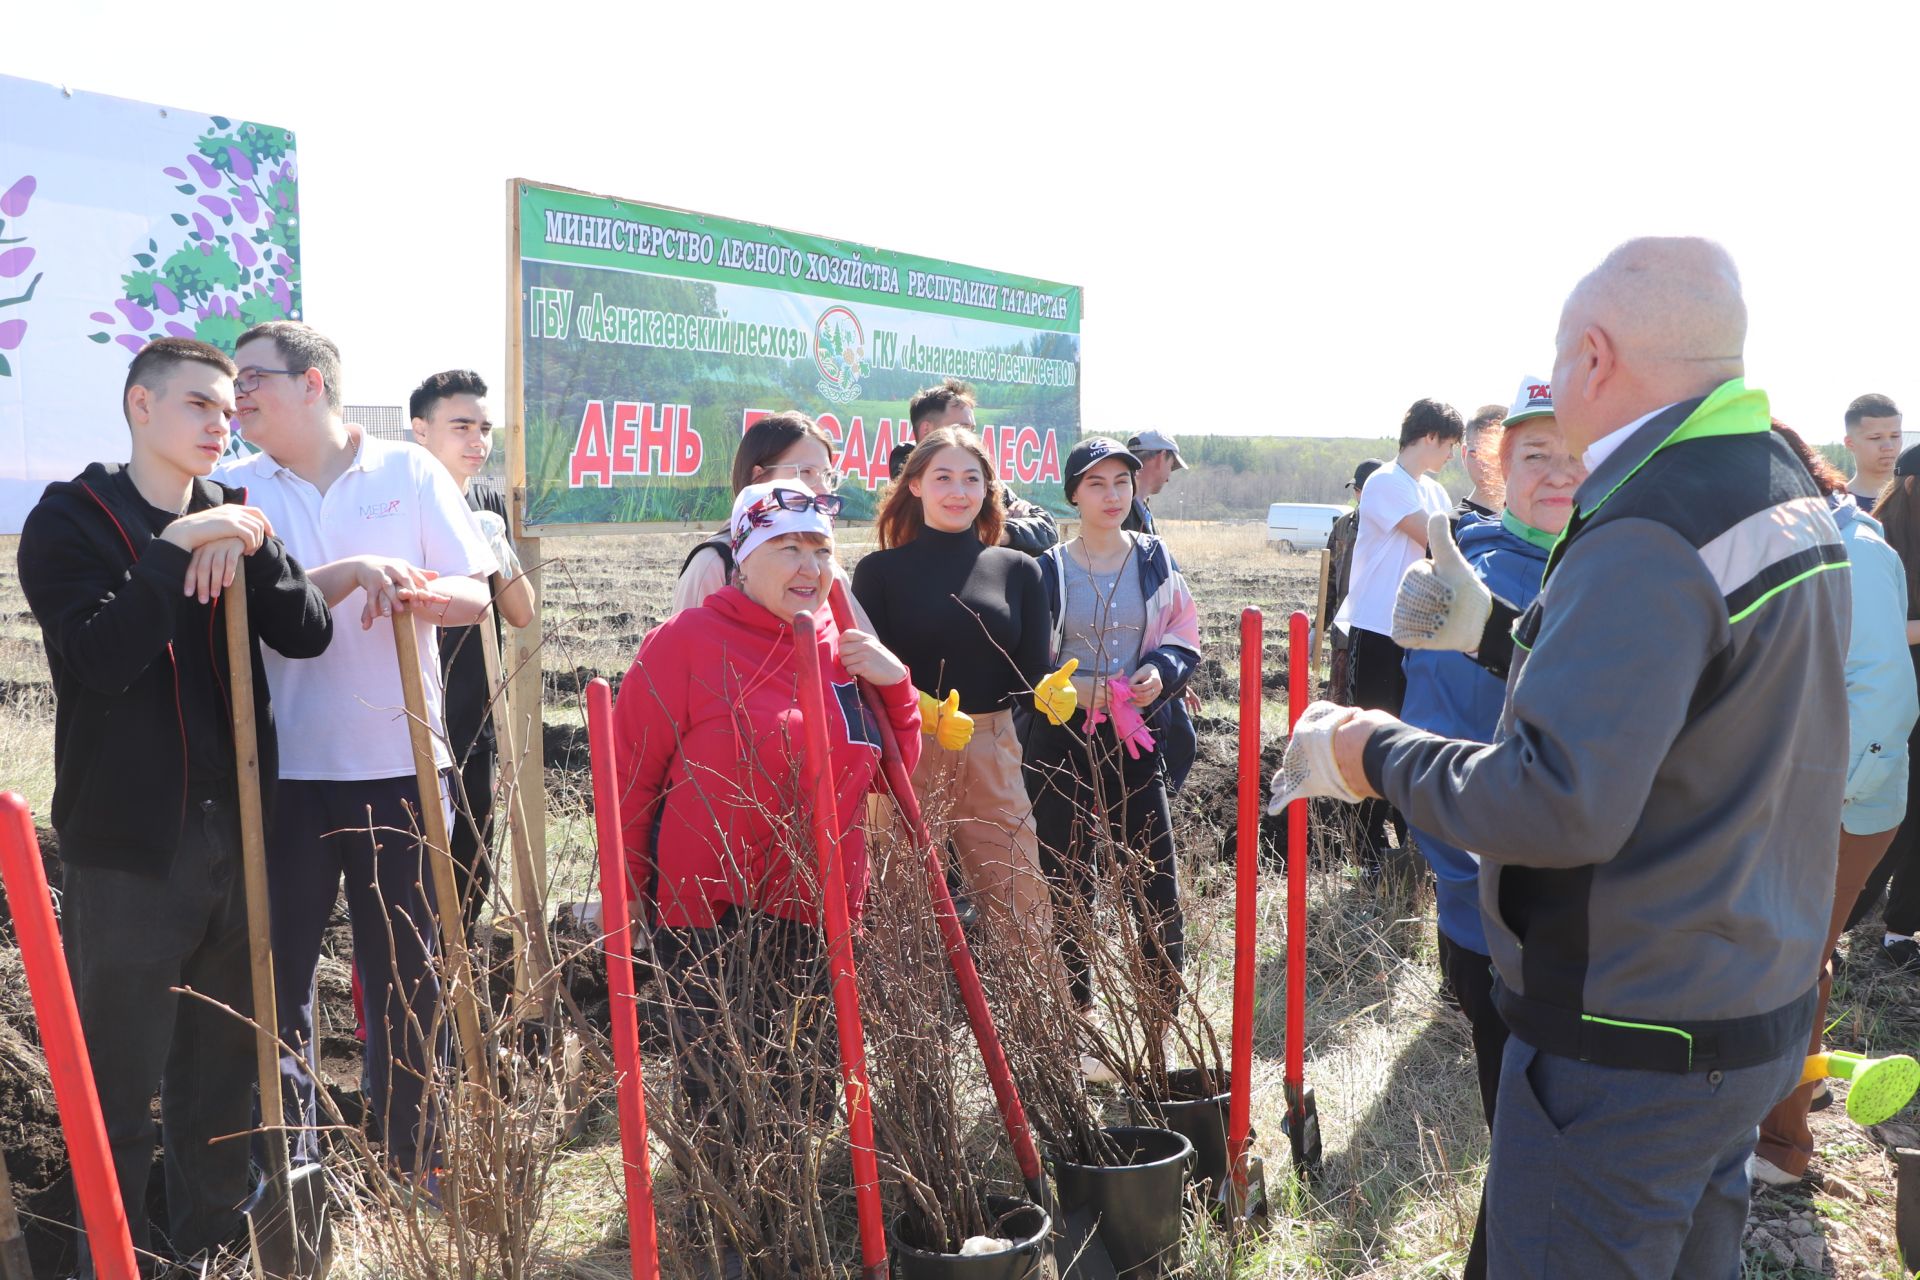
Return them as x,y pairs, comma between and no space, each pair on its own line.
1302,1124
289,1227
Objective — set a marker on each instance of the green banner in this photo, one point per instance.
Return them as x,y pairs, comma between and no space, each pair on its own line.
652,338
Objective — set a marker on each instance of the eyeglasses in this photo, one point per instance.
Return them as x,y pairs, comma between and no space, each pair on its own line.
760,514
249,380
818,479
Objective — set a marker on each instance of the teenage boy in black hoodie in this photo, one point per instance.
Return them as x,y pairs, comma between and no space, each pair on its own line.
124,567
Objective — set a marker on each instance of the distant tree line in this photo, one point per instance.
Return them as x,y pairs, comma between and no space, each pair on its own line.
1238,477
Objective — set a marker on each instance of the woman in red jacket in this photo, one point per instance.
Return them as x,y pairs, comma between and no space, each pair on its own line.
717,832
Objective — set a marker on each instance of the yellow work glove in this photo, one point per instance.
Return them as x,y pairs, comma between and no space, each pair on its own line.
945,722
1055,698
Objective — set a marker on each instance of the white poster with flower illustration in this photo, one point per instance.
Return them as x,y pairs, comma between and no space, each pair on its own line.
121,222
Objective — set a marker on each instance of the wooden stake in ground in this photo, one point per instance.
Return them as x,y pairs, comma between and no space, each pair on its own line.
288,1224
433,829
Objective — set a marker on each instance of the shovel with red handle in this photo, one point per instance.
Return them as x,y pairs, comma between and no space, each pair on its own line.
1246,1185
95,1184
1082,1244
1303,1118
643,1245
817,777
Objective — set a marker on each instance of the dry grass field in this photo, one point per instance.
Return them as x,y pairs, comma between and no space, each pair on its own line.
1389,1060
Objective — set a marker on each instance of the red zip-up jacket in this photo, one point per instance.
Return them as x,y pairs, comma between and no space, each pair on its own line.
707,729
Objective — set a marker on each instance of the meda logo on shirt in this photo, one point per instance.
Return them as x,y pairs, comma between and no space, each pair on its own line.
379,510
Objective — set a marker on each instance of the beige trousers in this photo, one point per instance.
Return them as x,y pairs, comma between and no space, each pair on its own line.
980,793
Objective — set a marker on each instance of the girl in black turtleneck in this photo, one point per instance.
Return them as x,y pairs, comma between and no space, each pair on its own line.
966,615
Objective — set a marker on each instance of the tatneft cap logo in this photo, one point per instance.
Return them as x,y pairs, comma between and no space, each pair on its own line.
1533,400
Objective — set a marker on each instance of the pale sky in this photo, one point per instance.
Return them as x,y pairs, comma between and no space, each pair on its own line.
1288,219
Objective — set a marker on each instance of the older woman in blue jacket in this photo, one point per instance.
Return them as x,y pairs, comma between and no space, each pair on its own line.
1458,696
1881,712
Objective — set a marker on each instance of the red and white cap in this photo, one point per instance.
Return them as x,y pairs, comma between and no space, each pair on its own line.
1533,400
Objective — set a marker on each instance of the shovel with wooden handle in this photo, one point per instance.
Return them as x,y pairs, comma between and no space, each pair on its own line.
287,1219
537,974
461,976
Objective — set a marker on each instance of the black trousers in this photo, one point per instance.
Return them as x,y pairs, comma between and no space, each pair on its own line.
470,839
1468,978
1899,870
747,1006
1378,682
1062,764
129,939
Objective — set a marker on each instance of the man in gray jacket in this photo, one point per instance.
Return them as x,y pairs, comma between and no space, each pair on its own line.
1655,815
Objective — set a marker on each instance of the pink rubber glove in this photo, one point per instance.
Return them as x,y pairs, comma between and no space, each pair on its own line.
1128,726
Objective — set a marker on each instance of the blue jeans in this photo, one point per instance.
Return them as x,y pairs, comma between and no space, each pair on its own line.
1600,1172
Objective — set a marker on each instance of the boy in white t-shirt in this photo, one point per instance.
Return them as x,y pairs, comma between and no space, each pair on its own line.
383,522
1393,535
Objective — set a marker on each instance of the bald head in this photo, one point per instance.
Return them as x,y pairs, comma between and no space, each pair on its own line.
1660,320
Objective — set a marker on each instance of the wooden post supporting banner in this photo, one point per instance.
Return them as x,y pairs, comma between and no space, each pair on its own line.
524,643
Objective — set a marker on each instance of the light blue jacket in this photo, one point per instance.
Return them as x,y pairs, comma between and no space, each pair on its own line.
1881,701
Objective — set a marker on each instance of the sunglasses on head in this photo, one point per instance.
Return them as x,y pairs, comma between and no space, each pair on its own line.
760,514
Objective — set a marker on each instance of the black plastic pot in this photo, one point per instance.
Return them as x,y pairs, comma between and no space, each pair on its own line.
1026,1224
1201,1116
1138,1203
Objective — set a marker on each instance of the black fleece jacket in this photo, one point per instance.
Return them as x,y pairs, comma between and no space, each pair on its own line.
108,596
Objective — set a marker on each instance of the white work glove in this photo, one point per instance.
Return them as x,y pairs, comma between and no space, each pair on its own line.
1307,770
494,530
1442,604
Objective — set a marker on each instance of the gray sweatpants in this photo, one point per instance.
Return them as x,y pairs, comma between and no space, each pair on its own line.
1603,1173
129,940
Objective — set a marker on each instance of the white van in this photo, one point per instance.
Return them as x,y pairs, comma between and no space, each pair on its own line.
1301,526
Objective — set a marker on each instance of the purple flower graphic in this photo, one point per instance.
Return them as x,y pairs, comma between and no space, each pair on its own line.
11,331
232,263
15,261
14,202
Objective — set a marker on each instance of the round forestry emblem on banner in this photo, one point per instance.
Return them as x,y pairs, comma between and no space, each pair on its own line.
839,350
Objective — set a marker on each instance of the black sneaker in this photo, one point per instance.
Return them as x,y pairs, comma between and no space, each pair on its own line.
1902,954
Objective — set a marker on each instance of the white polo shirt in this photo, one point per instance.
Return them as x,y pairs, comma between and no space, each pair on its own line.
341,716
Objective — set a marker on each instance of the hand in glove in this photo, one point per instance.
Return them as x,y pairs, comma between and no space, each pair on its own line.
1442,603
1055,698
945,722
494,530
1308,769
1128,727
